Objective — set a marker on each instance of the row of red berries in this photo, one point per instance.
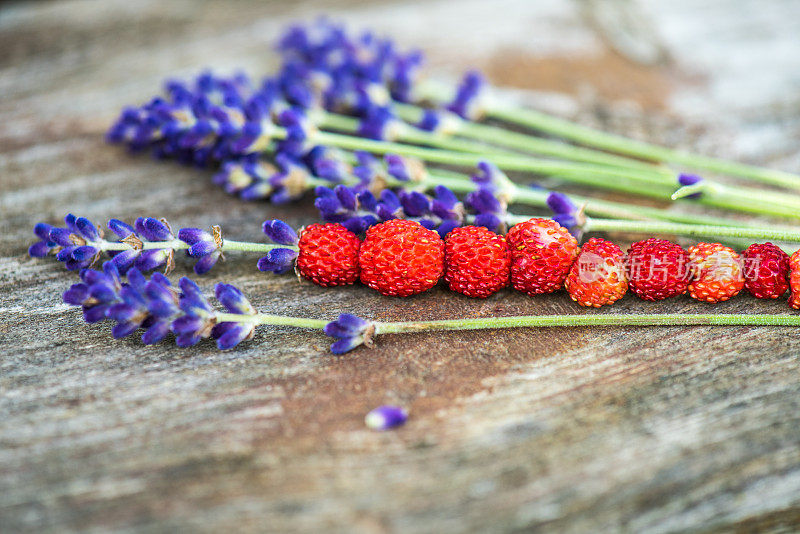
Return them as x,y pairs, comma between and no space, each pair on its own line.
402,258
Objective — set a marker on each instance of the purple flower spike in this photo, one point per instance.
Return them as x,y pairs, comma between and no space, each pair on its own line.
386,417
328,163
230,334
380,124
278,260
466,103
41,248
152,229
350,332
565,212
233,299
198,317
690,179
204,246
404,169
279,232
97,292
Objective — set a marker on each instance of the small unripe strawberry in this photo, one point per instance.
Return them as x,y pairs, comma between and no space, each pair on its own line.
794,280
716,272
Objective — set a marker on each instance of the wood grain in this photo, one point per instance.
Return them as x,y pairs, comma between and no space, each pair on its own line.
568,430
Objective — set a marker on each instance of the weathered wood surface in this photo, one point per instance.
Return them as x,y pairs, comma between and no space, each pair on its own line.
571,430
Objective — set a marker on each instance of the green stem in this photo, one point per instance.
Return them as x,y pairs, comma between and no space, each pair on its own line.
690,230
228,244
523,142
622,145
274,320
611,319
177,244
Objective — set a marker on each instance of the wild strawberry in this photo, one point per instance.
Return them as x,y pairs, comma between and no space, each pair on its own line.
401,258
715,271
766,270
598,275
794,280
657,269
542,253
477,261
328,255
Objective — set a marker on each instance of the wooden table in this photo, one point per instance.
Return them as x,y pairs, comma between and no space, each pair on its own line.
570,430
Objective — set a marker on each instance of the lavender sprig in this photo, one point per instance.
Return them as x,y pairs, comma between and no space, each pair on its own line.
148,245
160,308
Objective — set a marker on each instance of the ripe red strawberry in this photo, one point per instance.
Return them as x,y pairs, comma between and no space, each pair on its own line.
598,275
657,269
542,253
477,261
715,272
401,258
766,270
328,255
794,280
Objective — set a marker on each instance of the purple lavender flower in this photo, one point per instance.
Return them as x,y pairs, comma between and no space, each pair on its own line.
405,169
329,163
566,213
490,177
230,334
291,181
279,260
370,171
489,211
249,178
205,246
690,179
352,208
198,317
379,123
299,132
78,245
144,304
404,75
386,417
97,292
159,308
466,103
439,121
357,210
44,246
350,332
150,244
152,229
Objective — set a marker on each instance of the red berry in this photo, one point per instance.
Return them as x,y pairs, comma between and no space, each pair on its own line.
766,271
794,280
716,272
657,269
401,258
477,261
328,255
598,275
542,252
